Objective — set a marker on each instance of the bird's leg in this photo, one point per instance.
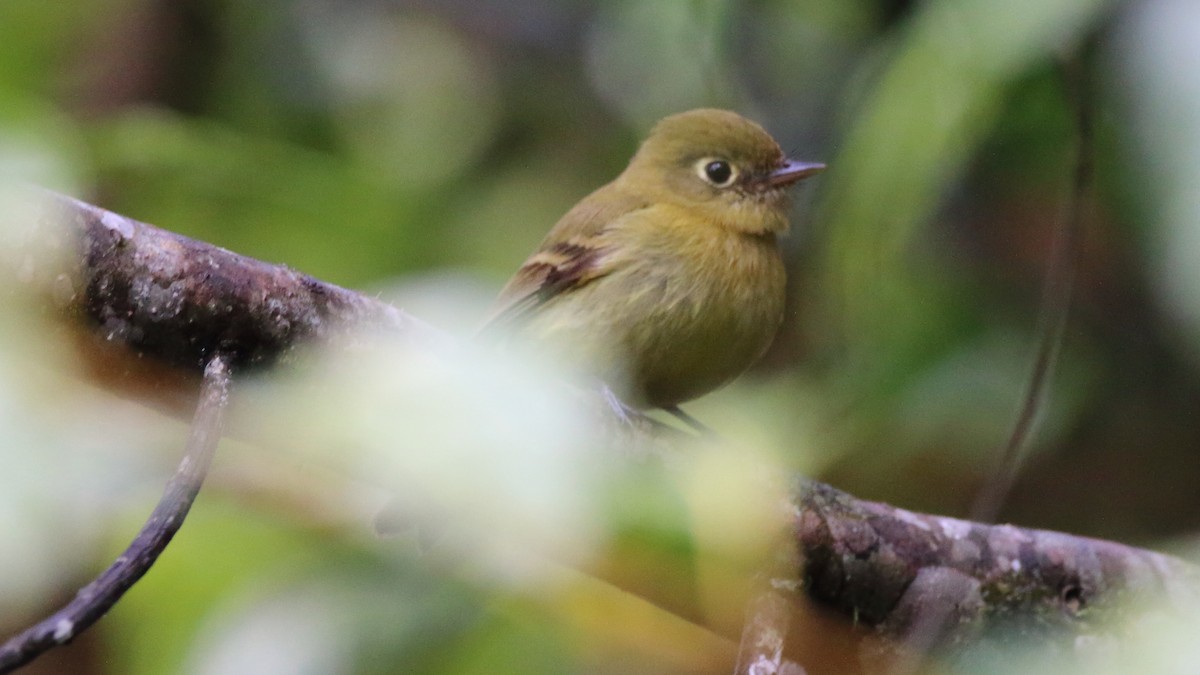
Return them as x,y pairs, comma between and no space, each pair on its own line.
631,416
698,426
621,409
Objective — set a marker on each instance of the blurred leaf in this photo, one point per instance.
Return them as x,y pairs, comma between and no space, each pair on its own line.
39,145
38,39
1156,48
649,60
278,202
413,102
909,140
220,553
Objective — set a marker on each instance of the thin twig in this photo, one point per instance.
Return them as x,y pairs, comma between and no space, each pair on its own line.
1056,299
95,599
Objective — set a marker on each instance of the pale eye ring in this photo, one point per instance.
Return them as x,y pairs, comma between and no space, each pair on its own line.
716,172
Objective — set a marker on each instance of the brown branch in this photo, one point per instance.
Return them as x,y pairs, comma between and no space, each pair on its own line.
181,300
94,600
145,292
891,569
884,570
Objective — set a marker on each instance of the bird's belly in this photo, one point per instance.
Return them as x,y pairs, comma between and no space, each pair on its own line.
697,335
659,337
702,353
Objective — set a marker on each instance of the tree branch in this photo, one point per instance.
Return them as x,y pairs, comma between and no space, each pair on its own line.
181,300
889,569
157,294
94,600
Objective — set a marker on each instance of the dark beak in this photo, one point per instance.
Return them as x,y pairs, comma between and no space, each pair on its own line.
792,171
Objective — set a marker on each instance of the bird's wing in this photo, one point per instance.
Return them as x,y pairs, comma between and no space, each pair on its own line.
577,251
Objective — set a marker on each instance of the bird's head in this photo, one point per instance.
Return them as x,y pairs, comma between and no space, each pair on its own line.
720,164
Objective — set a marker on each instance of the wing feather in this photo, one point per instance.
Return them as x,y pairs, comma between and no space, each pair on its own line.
576,252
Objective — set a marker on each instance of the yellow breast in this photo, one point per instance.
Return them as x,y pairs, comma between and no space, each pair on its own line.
692,307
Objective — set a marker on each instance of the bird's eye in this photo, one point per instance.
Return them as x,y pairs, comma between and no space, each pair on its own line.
718,172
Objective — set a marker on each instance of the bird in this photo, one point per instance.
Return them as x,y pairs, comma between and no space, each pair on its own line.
668,282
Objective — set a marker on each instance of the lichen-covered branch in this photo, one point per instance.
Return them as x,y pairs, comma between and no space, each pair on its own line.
895,576
180,300
906,576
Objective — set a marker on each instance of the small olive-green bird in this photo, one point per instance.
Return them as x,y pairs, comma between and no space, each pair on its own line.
667,282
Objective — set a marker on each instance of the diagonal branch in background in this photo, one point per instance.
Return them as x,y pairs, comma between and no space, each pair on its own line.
148,292
94,600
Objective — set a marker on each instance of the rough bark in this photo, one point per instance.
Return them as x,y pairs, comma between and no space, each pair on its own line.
180,300
921,581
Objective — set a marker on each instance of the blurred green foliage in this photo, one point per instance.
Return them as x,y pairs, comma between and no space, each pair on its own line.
386,143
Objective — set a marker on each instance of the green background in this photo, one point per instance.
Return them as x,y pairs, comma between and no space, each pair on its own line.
421,149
